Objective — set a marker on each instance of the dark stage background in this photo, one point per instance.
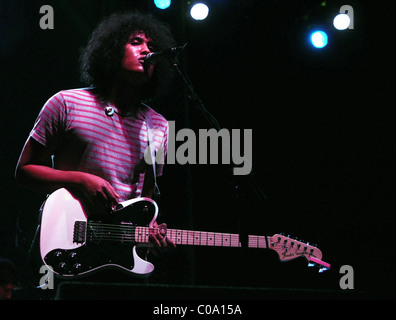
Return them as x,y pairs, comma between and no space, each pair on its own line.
323,135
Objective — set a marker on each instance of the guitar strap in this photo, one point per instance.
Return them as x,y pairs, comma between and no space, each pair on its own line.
151,149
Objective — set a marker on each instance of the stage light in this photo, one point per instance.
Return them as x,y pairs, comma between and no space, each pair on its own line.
341,21
199,11
162,4
319,39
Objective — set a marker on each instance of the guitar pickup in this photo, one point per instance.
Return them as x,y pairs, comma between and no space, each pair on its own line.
80,231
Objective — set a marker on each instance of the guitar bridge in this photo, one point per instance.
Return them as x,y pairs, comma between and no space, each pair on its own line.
79,234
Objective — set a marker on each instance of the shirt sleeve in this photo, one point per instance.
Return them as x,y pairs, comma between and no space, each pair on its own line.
50,123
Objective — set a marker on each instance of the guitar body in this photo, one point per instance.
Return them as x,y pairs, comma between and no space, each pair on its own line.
73,244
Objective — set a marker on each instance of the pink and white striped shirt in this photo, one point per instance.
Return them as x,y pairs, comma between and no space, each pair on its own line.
74,125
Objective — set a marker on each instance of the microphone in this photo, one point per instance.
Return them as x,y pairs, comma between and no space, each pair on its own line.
153,57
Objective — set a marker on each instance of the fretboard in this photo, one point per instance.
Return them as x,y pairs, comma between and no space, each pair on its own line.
202,238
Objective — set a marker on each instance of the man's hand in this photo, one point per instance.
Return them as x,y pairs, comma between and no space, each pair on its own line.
98,190
159,239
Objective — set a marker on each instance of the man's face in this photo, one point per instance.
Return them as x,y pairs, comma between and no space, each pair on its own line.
136,49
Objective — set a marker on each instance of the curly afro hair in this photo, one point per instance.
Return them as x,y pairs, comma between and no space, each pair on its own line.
101,59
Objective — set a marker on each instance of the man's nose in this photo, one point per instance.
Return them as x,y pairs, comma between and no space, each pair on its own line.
145,49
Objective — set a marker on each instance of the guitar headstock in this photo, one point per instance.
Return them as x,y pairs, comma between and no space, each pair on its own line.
289,249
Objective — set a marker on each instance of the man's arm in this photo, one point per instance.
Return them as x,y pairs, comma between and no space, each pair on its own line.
34,171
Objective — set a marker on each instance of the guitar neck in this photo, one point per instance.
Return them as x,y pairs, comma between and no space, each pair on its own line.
203,238
286,247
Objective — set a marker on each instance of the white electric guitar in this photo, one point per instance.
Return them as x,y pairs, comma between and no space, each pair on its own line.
74,244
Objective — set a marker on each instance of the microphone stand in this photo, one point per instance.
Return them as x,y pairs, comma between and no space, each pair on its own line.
194,97
243,215
254,186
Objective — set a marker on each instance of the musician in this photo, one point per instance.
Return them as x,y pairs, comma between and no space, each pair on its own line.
92,140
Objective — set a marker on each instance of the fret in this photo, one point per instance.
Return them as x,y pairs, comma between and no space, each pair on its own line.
202,238
179,237
211,239
226,240
257,242
235,241
262,242
142,234
253,242
217,239
197,238
190,237
183,238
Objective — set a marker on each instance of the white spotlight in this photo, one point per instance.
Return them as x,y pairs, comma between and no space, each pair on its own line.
199,11
341,21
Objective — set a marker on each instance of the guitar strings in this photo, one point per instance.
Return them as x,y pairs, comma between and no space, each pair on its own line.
209,238
125,233
99,230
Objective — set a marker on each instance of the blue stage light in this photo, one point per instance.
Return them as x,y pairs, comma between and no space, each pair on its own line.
319,39
162,4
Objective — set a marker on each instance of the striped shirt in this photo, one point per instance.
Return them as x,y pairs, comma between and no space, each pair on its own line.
74,126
